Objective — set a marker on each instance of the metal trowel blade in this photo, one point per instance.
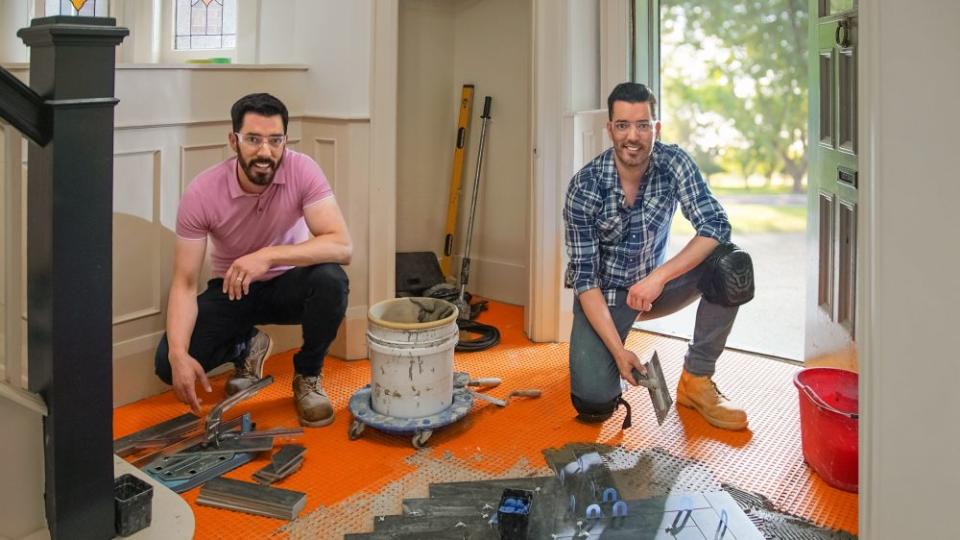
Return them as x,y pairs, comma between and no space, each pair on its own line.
659,392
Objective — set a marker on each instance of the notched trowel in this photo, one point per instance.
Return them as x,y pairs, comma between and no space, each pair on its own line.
657,386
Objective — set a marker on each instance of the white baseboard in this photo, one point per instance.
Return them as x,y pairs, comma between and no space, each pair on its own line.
39,534
497,280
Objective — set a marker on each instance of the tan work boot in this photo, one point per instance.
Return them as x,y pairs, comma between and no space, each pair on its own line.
251,370
313,406
702,395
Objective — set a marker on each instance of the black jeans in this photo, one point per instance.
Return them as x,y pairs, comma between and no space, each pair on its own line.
313,296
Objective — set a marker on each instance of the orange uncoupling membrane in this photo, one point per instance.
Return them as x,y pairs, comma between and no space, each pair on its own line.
493,442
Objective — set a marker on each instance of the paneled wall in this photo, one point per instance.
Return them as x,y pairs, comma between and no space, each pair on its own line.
172,123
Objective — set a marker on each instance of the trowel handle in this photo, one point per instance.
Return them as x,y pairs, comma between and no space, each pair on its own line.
527,392
487,382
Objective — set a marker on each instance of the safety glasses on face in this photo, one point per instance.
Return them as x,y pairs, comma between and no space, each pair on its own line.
254,142
643,126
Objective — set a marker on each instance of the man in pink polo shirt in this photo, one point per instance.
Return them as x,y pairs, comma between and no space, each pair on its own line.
278,239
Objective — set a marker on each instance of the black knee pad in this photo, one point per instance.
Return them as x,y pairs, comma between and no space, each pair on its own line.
591,412
727,277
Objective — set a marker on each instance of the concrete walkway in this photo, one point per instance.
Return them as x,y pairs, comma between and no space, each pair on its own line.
773,322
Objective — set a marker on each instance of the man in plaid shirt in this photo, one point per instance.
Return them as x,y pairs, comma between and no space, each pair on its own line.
617,216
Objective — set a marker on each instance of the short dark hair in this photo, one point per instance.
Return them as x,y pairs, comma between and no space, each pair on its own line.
632,92
262,104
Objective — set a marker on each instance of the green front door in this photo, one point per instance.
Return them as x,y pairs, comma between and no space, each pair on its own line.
831,322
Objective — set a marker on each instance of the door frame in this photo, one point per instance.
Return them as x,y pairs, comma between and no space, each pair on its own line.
868,260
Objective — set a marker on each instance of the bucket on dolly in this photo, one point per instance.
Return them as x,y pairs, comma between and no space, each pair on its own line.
411,392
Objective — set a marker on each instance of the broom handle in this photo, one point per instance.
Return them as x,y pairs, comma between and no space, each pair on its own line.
465,267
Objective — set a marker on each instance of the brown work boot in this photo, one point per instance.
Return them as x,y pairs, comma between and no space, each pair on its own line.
313,406
251,370
702,395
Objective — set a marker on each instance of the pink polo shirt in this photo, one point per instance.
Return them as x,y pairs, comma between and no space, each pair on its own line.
238,223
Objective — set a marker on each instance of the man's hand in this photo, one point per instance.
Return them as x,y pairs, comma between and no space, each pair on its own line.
186,372
627,361
642,294
243,272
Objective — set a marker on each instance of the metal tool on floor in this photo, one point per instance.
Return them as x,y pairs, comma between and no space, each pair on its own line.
285,462
461,301
453,205
252,498
187,468
489,399
656,384
175,427
189,451
463,380
214,417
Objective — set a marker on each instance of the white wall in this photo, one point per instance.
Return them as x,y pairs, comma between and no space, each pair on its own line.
584,54
444,45
428,99
14,15
910,364
333,39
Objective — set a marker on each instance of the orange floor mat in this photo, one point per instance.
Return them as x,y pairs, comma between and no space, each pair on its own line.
491,442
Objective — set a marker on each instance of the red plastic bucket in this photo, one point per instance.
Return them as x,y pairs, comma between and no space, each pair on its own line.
828,423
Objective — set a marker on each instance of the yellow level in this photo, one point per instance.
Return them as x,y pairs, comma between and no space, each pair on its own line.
463,126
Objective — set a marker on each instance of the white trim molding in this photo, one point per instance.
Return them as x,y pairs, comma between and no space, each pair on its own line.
546,240
868,261
614,44
382,237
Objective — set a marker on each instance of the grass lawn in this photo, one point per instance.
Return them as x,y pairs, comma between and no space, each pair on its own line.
752,219
727,184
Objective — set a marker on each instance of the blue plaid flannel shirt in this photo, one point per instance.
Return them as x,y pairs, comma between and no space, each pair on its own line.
612,246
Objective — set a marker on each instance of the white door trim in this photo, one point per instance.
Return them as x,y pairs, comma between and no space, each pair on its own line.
868,260
382,225
546,227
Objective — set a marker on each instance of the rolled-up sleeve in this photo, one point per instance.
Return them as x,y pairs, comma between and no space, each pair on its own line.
697,202
583,248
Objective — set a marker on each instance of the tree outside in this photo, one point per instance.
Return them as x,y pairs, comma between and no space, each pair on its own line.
734,95
734,76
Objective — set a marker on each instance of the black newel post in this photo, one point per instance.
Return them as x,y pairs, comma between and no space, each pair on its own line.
69,252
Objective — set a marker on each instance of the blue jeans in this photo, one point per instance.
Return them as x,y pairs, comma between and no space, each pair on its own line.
312,296
594,377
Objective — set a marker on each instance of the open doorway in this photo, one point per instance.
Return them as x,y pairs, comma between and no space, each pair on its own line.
733,88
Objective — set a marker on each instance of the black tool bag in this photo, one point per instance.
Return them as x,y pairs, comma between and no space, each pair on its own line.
727,277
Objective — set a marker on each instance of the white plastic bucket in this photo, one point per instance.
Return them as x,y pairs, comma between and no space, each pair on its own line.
411,359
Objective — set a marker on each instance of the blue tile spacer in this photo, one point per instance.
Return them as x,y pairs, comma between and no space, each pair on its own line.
594,511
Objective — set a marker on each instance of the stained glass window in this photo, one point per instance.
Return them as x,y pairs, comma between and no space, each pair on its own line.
205,24
84,8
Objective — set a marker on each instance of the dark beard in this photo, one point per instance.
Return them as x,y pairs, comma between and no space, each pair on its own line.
260,179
